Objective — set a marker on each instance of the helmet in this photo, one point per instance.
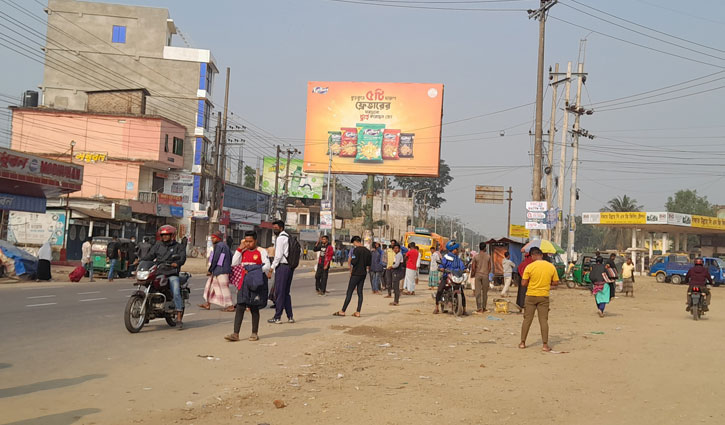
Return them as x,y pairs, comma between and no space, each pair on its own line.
699,262
450,246
167,230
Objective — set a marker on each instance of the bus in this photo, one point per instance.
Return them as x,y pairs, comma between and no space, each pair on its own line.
424,240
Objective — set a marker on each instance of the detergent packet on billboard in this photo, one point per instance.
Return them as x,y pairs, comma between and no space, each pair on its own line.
406,145
333,142
369,143
348,142
391,140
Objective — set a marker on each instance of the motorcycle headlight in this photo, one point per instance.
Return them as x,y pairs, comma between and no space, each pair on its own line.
142,275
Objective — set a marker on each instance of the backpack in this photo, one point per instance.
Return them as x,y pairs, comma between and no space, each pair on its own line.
293,255
111,250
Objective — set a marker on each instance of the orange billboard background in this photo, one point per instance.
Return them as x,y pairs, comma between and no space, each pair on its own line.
410,112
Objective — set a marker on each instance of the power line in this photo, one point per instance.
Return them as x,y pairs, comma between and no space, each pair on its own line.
404,6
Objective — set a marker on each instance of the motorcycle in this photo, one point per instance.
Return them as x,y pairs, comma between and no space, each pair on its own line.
697,302
452,298
153,297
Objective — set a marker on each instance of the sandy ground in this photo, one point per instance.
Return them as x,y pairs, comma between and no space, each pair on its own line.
646,362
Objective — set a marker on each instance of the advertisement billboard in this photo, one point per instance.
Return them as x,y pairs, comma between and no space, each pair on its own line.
35,229
374,128
302,184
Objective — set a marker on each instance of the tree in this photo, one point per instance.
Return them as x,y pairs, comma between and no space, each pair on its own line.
688,202
619,237
427,192
249,177
377,186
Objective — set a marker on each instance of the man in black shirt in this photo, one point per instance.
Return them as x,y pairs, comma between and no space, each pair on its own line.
360,264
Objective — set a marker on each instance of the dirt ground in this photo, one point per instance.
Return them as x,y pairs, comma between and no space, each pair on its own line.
646,362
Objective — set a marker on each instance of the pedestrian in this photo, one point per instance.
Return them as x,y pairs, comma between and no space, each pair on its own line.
628,277
304,252
323,264
216,290
113,254
376,267
388,261
45,255
86,257
480,268
253,288
613,273
433,273
538,278
508,267
412,263
600,288
144,247
282,274
521,292
230,243
397,273
360,261
131,255
451,263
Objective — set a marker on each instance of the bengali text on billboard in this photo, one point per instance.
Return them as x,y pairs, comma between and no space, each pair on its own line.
373,128
301,184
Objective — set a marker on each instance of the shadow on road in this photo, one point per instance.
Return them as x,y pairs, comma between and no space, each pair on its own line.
47,385
65,418
290,332
5,365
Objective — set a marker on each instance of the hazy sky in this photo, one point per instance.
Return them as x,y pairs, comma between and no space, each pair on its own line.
487,61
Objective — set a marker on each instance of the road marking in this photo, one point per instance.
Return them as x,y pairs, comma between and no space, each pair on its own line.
40,305
87,293
127,290
92,299
40,296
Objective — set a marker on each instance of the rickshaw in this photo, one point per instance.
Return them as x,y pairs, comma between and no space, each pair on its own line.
101,264
579,274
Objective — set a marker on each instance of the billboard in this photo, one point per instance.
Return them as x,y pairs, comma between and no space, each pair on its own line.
302,184
374,128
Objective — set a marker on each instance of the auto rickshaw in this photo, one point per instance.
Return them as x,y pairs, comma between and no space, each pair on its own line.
579,274
101,264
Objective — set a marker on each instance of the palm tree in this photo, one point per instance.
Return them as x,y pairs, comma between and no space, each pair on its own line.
619,237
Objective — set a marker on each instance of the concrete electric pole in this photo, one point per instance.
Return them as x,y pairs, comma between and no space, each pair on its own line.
562,159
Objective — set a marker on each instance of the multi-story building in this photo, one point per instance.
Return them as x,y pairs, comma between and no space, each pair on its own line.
97,51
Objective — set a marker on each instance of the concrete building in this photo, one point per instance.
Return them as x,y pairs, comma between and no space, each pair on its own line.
395,208
98,57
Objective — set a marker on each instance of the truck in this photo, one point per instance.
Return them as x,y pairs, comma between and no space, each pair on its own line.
674,267
424,240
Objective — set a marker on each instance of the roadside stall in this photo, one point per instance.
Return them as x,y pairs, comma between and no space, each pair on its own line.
496,249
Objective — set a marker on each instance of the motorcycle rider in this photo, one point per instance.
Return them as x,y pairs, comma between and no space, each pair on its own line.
699,276
170,255
450,262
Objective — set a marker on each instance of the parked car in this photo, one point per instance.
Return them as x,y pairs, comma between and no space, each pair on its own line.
674,267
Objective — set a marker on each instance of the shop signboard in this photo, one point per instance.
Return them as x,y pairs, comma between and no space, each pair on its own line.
301,184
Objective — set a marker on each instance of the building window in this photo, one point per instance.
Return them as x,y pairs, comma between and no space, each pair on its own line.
157,184
302,219
166,144
207,113
119,34
178,146
209,77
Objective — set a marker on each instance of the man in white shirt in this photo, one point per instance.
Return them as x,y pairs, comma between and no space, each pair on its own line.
508,273
86,257
282,274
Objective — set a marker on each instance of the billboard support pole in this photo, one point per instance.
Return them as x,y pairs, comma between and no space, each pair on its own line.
334,191
329,175
369,207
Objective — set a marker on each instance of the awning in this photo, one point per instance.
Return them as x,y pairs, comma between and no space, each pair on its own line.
12,202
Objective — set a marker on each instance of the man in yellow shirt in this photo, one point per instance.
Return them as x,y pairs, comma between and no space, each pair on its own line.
538,278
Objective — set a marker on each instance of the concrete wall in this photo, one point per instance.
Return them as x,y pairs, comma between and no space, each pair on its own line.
400,209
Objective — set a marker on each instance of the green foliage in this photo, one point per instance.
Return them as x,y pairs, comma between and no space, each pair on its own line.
618,237
622,204
249,177
689,202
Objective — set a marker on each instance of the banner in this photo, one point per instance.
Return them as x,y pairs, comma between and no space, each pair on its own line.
35,229
518,231
325,220
623,217
301,185
374,128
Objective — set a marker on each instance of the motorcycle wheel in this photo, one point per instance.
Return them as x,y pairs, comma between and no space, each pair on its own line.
171,321
696,312
134,324
457,305
570,284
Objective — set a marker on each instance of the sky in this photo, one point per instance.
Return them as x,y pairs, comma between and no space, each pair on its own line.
487,61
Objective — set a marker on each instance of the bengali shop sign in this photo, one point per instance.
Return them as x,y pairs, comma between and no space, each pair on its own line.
373,128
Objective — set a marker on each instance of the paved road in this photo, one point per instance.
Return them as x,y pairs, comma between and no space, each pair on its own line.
65,353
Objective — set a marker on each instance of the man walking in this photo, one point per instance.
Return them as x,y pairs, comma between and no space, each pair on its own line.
538,278
323,263
282,274
376,268
113,253
360,261
508,273
411,269
131,256
480,269
87,260
144,247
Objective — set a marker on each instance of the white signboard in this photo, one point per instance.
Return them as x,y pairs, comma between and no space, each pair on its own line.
656,218
535,215
36,229
180,184
532,225
325,220
241,216
539,206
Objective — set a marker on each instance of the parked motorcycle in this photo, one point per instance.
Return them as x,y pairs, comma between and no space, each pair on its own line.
153,297
697,302
452,298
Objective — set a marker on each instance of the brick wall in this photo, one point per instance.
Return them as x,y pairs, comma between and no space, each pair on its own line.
121,102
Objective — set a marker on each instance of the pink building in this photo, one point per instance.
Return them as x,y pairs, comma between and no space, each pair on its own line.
122,155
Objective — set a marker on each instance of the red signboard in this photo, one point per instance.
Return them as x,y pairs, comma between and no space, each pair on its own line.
173,200
32,166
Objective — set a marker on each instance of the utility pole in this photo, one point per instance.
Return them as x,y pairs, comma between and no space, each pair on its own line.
509,199
290,152
369,209
213,217
334,192
574,163
562,159
275,209
64,251
257,175
539,14
550,152
387,210
382,208
223,169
